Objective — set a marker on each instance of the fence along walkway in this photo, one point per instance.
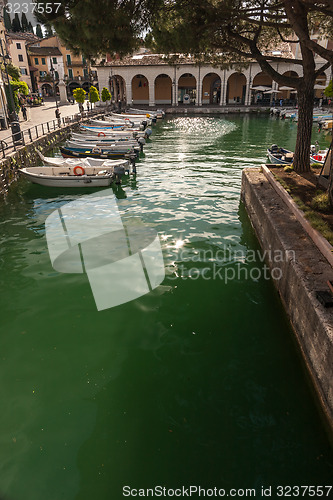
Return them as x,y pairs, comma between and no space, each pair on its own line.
27,136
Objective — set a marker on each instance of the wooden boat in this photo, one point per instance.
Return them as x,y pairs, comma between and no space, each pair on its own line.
72,176
132,116
98,153
114,123
117,145
104,131
84,162
280,155
106,138
136,120
159,112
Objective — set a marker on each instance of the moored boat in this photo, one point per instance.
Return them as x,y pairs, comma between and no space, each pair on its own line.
82,152
280,155
318,157
72,176
84,162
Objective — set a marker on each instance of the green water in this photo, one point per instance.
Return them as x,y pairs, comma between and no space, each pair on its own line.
197,383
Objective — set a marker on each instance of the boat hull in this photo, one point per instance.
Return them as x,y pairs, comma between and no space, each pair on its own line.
280,159
110,155
70,181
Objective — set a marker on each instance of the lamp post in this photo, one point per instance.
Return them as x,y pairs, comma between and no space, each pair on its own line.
53,81
15,124
10,90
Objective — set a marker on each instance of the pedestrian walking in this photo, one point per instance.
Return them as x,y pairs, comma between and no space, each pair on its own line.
88,107
24,111
57,113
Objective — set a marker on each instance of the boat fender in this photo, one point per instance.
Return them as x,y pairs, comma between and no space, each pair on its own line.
96,150
78,170
101,133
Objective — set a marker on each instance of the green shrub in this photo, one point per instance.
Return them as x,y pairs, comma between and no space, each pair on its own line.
321,202
288,168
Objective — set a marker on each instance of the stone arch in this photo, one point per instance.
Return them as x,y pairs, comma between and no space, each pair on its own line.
288,96
321,81
117,87
86,86
236,88
140,89
211,89
47,90
262,79
72,86
187,86
163,89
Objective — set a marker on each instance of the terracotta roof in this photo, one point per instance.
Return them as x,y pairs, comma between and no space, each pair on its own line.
146,60
282,50
29,37
44,51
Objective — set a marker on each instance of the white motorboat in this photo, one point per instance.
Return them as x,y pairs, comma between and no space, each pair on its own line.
125,146
136,120
103,131
159,113
106,138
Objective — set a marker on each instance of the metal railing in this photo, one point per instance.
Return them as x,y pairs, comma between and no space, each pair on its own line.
23,137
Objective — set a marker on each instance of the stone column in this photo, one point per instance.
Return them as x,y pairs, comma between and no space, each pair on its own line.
199,91
151,90
62,92
175,92
248,93
274,96
224,86
129,93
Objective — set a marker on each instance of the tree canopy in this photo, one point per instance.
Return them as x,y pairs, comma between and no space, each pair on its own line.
6,20
220,32
12,70
237,31
105,94
93,95
39,31
79,95
98,27
16,23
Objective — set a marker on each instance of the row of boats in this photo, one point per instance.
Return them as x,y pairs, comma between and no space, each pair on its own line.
102,152
282,156
320,116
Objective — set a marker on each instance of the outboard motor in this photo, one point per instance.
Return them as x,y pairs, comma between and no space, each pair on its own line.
118,171
148,132
144,123
141,141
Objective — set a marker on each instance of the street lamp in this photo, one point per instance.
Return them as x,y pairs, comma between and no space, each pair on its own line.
10,90
15,124
53,80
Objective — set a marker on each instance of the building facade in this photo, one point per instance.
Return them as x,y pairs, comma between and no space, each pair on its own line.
17,48
147,79
49,57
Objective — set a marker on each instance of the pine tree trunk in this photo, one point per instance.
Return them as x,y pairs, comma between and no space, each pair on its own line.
330,179
304,128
